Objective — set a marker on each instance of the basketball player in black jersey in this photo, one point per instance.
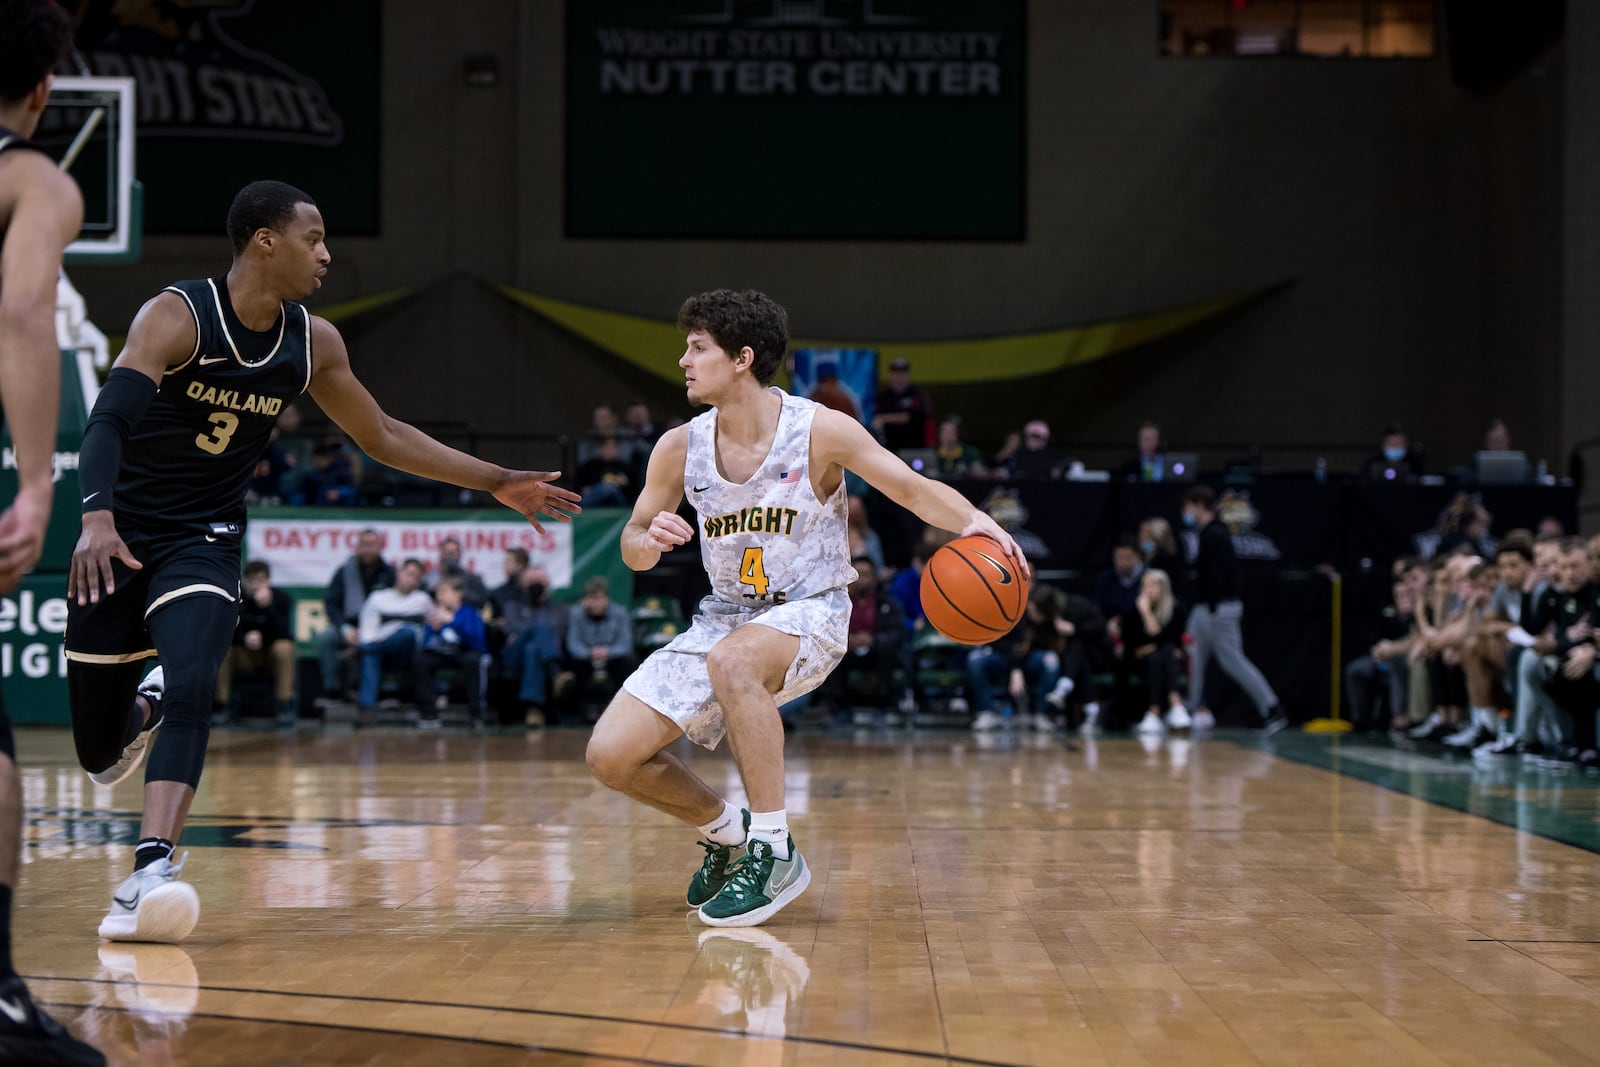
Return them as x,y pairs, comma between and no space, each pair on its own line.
40,212
183,418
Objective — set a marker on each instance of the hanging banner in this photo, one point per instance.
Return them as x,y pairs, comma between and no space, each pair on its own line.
810,119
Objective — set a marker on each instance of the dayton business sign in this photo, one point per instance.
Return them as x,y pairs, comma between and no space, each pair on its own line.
807,117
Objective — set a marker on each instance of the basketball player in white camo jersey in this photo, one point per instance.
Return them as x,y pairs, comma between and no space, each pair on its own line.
765,473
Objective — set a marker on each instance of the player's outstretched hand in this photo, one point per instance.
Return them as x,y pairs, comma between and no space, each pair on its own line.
98,545
22,528
984,526
667,531
531,494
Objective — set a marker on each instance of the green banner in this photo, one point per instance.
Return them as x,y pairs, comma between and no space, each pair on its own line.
814,119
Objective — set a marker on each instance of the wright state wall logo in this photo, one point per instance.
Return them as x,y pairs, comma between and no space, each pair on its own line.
195,80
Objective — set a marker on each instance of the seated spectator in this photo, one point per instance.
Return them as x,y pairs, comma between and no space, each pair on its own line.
906,585
904,416
599,645
1478,640
1376,684
354,581
535,627
607,479
638,435
1151,648
513,563
953,457
1036,459
1466,523
1550,526
1149,462
392,622
450,567
262,640
1116,589
603,424
1434,651
877,646
864,540
330,483
1160,551
1568,674
1000,463
1397,459
831,393
454,638
1049,656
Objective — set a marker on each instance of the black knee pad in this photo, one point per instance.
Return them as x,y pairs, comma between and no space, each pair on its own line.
193,635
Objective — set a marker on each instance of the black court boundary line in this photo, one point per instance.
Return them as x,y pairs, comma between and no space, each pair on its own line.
823,1042
1593,850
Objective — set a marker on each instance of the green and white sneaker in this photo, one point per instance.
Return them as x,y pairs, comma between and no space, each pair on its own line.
713,872
759,886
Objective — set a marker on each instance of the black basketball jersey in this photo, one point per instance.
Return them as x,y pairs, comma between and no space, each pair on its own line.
190,459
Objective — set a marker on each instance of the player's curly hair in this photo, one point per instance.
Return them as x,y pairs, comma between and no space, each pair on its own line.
736,319
34,36
265,203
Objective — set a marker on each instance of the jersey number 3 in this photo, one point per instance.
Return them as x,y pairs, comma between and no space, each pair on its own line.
752,573
223,423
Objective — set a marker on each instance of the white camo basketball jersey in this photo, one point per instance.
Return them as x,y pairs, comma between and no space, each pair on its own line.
769,540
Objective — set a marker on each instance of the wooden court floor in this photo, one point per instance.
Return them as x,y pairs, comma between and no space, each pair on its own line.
384,897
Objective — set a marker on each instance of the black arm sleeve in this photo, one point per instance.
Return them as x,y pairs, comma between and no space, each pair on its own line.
122,403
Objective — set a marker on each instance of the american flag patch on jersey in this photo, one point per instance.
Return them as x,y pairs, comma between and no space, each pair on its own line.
790,475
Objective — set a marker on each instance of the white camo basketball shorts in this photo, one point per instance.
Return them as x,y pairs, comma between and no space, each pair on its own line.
673,679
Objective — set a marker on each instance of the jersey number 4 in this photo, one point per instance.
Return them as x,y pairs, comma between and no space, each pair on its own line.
751,571
223,423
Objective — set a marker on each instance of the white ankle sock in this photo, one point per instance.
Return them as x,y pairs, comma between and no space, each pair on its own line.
727,828
773,828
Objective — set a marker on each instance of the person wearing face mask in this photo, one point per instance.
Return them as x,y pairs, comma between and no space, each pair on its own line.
534,626
1214,622
1397,460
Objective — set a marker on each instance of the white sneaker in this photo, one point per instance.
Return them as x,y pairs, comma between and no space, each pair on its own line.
1091,720
1057,697
988,720
1202,720
1151,725
958,705
1178,717
151,688
1466,737
152,905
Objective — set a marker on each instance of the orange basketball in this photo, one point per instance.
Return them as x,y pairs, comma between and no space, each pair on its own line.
972,592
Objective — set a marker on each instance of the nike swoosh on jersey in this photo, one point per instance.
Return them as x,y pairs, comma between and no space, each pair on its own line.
14,1011
699,488
1005,573
211,539
91,496
206,361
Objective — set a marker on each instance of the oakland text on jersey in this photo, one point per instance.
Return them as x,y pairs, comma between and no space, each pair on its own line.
229,398
759,519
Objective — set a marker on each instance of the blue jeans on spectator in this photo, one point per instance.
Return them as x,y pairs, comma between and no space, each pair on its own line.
987,668
399,649
532,656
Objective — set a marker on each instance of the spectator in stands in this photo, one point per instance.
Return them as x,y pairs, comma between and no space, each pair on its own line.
1497,438
831,393
1116,589
1036,458
297,448
453,639
1535,724
535,628
599,645
1377,682
450,567
606,480
1215,620
906,585
330,482
1048,656
509,592
1151,646
603,424
1466,522
953,457
877,646
1160,551
1397,459
1571,684
1550,526
392,622
262,640
1149,463
1439,622
637,436
1000,463
904,416
355,580
864,540
1479,639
